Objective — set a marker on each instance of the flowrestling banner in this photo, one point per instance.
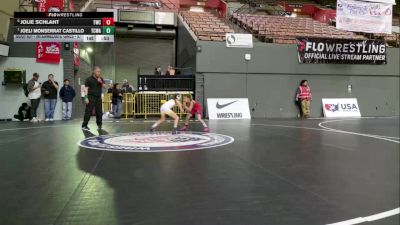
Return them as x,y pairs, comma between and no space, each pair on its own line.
341,51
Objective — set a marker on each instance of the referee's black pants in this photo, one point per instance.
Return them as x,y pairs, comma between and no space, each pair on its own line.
94,102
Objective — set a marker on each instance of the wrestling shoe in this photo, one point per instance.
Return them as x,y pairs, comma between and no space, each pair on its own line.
206,129
184,128
86,128
174,131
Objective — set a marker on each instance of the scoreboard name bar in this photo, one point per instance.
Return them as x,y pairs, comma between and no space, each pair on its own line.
65,22
43,15
64,38
64,30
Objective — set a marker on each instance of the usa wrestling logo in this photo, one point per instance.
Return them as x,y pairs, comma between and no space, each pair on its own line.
332,107
156,142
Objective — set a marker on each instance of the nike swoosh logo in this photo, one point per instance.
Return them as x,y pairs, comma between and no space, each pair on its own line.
224,105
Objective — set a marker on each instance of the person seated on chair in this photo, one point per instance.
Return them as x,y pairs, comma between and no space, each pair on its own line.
24,112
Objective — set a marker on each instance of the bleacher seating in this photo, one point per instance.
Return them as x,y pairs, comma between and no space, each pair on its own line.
206,26
391,39
284,30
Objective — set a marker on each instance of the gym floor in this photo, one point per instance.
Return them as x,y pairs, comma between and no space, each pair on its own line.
302,172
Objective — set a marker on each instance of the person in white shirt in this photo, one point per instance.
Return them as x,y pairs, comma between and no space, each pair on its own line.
34,88
166,109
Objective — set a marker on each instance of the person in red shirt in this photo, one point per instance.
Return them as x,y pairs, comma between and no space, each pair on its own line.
304,97
192,108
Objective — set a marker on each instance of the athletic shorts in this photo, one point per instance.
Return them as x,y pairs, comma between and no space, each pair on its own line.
165,109
197,109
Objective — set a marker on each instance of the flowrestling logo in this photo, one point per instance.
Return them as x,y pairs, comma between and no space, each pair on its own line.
156,142
341,51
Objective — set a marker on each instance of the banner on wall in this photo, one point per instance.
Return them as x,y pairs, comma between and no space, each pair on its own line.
77,59
359,16
48,52
341,107
235,40
228,108
71,5
341,51
393,2
50,5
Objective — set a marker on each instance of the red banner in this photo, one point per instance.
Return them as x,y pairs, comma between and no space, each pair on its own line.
77,59
48,52
50,5
71,6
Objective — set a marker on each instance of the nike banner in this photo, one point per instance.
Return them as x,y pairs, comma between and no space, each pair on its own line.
228,108
340,107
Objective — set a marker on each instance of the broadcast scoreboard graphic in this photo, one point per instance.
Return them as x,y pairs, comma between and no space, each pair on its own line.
64,27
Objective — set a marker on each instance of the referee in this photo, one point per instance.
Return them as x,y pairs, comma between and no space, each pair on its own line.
94,85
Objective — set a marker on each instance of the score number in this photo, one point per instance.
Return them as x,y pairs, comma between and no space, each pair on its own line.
108,26
107,22
108,30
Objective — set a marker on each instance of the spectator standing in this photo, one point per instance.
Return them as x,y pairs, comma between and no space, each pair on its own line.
34,95
117,101
93,86
157,70
49,90
304,97
24,112
67,95
126,87
170,71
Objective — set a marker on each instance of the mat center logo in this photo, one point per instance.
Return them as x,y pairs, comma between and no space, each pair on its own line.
156,142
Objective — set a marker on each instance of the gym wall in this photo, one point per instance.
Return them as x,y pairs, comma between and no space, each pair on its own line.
12,95
271,77
122,59
24,51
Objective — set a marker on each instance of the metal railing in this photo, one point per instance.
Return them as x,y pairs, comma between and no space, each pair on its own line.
142,104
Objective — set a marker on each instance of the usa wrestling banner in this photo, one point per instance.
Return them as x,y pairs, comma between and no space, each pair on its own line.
340,51
341,107
48,52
